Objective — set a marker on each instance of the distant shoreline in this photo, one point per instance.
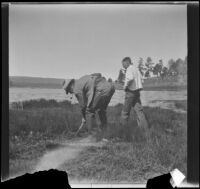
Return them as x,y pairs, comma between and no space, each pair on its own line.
149,88
150,84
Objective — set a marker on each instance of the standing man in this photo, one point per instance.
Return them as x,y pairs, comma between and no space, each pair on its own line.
93,93
132,87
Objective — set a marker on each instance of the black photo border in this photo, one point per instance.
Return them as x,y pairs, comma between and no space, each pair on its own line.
193,89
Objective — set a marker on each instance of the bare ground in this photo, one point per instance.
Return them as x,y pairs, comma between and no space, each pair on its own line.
69,150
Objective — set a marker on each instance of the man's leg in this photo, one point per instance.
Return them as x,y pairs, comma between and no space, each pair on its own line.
102,118
141,118
105,100
95,107
126,108
90,117
129,98
103,125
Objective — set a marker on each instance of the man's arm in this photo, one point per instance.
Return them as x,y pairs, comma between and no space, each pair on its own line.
128,78
90,90
81,100
90,97
141,77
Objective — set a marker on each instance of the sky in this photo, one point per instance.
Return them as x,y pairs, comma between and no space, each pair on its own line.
72,40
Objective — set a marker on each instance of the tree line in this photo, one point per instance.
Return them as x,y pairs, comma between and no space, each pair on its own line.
149,68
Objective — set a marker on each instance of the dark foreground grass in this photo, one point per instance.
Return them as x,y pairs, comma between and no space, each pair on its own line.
139,159
24,153
39,127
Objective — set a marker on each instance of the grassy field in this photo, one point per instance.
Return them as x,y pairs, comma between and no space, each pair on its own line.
40,123
138,159
43,124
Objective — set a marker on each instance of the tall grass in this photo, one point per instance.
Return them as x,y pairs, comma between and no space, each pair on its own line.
39,123
133,159
136,160
43,103
43,116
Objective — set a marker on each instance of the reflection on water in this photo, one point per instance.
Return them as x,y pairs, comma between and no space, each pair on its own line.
148,98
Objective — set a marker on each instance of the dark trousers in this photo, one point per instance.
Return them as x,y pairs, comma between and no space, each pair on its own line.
99,106
132,99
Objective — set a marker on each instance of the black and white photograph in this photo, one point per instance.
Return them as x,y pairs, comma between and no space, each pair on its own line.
98,90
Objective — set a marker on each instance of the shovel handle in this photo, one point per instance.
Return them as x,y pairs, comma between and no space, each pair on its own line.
79,128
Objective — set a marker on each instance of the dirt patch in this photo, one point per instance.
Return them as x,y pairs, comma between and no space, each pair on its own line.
67,151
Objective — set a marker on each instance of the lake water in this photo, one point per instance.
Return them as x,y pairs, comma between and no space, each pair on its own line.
148,98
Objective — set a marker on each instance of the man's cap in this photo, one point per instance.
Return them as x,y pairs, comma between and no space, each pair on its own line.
66,83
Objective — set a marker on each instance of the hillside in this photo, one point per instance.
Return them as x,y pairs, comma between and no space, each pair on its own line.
35,82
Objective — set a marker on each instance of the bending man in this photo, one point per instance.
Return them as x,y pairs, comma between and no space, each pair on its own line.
93,93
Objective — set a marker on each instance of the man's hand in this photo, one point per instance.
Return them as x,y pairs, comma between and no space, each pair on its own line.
83,121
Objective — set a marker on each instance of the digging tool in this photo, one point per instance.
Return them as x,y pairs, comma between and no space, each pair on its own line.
82,124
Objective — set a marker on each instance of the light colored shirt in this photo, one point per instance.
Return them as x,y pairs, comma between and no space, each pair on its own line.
133,78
